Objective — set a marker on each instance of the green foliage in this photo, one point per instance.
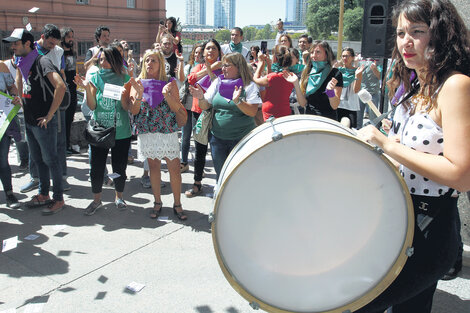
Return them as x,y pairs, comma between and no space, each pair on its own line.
295,36
353,23
264,33
249,33
223,36
187,41
323,18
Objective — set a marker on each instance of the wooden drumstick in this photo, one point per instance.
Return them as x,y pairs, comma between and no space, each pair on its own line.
366,97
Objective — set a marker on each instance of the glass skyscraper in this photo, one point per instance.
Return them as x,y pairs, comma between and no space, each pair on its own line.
224,13
196,12
296,11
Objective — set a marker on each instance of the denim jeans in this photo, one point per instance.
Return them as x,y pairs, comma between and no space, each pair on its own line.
42,143
186,137
5,170
61,150
220,150
360,114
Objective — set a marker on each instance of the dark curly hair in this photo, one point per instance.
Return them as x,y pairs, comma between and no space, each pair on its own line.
448,49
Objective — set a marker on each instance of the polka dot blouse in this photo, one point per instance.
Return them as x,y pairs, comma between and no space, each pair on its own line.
421,133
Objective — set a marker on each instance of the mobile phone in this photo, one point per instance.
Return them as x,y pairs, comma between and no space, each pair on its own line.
264,46
162,23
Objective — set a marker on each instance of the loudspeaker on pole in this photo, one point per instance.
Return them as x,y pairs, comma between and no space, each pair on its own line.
377,29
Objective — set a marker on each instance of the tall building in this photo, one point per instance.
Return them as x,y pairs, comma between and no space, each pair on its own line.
296,11
196,12
224,13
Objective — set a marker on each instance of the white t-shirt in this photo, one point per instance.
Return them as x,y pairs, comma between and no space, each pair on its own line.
245,51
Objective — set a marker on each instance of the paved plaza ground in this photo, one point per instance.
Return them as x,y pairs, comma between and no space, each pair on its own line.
84,263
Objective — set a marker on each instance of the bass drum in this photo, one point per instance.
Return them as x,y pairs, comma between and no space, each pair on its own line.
317,221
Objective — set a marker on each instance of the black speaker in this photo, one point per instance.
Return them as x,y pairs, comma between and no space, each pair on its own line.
377,30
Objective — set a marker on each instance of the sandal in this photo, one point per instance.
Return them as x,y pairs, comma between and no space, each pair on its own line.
155,213
192,193
180,214
184,167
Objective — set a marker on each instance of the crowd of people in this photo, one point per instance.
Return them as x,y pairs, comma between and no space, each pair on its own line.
224,91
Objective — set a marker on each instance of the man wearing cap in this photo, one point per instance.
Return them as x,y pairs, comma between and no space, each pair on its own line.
41,120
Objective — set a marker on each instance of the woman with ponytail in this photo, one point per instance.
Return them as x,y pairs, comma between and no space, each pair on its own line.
279,83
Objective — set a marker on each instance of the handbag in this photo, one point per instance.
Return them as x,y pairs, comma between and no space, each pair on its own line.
203,125
100,136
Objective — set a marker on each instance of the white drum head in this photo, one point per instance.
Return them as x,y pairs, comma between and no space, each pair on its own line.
316,222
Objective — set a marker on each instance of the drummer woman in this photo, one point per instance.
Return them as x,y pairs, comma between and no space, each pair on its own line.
320,83
433,151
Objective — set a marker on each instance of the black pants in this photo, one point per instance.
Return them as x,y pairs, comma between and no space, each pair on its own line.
118,163
70,113
352,115
200,158
435,251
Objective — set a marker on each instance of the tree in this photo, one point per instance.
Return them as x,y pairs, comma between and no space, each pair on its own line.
249,33
222,36
323,17
353,23
264,33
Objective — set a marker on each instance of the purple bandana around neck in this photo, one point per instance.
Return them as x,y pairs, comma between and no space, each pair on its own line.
25,63
153,91
227,86
205,82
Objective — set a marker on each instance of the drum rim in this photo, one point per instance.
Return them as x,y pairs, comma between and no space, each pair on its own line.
389,277
278,121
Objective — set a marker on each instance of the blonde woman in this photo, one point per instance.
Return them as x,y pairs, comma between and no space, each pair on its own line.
154,99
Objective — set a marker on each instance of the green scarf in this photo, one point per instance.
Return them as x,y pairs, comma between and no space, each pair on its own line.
349,75
236,47
276,68
296,69
318,74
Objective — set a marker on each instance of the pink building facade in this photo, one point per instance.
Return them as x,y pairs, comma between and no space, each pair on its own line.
133,20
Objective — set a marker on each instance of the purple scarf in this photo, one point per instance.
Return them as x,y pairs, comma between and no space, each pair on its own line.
227,86
25,63
153,91
205,82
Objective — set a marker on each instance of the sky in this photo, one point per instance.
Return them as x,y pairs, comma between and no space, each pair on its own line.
247,12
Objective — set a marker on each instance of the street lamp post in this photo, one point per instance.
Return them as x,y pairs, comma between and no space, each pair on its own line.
340,29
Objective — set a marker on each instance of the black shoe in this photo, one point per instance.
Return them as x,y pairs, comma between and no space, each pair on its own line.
92,207
454,271
12,202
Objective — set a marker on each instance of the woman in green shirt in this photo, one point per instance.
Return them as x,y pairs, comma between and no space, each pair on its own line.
104,110
234,98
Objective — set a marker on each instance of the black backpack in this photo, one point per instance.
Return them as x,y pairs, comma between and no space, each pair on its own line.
45,86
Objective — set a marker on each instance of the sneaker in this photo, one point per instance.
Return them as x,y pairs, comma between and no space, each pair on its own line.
38,200
24,165
54,207
92,207
145,181
120,204
66,186
31,185
108,182
12,202
184,167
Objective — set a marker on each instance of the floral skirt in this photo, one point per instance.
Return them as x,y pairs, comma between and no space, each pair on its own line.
158,146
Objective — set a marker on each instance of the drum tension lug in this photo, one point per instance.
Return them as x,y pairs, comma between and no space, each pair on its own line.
378,150
211,217
276,136
410,251
254,305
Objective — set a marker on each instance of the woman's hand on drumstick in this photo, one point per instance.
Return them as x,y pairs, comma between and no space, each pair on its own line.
372,135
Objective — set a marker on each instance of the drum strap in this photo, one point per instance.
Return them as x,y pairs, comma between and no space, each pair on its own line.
427,208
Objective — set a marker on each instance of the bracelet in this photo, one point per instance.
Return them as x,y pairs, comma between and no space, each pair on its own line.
330,93
138,99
